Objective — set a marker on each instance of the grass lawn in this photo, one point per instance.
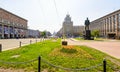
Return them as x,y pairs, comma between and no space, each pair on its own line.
79,38
52,51
95,39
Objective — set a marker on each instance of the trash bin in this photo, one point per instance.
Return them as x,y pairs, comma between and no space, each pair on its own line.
64,42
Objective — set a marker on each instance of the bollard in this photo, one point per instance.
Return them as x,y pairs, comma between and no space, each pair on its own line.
0,47
36,41
30,41
20,44
39,63
104,65
42,39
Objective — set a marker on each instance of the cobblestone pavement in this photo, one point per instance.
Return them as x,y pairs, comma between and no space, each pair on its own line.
15,43
111,47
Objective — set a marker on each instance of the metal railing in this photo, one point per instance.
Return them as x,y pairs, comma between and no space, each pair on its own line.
71,69
40,59
30,42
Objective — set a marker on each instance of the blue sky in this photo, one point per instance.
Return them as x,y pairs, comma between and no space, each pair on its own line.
42,15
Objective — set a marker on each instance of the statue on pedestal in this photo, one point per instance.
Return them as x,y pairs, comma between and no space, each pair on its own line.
87,33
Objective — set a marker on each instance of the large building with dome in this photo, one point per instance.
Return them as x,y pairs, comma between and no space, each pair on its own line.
68,29
68,26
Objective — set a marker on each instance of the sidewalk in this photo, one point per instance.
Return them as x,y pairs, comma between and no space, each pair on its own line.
110,47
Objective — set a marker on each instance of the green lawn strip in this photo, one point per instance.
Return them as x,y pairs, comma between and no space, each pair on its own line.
79,38
50,50
95,39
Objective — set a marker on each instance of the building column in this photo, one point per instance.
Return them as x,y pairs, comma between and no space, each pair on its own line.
109,24
9,32
112,24
104,27
117,21
2,30
13,33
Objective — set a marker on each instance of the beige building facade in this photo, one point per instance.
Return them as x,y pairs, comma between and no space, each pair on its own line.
78,30
68,29
109,25
68,26
11,25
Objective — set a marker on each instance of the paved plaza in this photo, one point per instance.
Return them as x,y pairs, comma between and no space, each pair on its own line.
15,43
111,47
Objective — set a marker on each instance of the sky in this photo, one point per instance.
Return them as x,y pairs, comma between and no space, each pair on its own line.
49,14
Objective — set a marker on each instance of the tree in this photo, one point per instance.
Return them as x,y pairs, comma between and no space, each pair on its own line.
95,33
43,34
81,34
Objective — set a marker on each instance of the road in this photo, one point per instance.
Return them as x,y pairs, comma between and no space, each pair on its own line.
15,43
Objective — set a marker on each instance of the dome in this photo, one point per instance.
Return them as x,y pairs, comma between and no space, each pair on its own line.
67,18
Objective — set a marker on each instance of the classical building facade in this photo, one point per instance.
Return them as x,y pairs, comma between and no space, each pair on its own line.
78,30
68,26
33,33
68,29
11,25
109,25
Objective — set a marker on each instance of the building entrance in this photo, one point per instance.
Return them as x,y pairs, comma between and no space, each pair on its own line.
6,36
11,36
111,36
0,36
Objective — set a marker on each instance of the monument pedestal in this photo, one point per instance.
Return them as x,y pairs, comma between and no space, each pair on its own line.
88,35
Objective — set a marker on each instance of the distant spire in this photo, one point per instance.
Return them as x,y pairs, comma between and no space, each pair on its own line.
67,13
87,18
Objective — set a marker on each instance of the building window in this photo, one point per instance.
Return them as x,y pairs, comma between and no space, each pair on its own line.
15,24
8,22
22,26
0,29
11,23
0,19
5,21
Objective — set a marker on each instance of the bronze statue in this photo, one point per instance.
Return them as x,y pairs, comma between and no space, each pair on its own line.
87,23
